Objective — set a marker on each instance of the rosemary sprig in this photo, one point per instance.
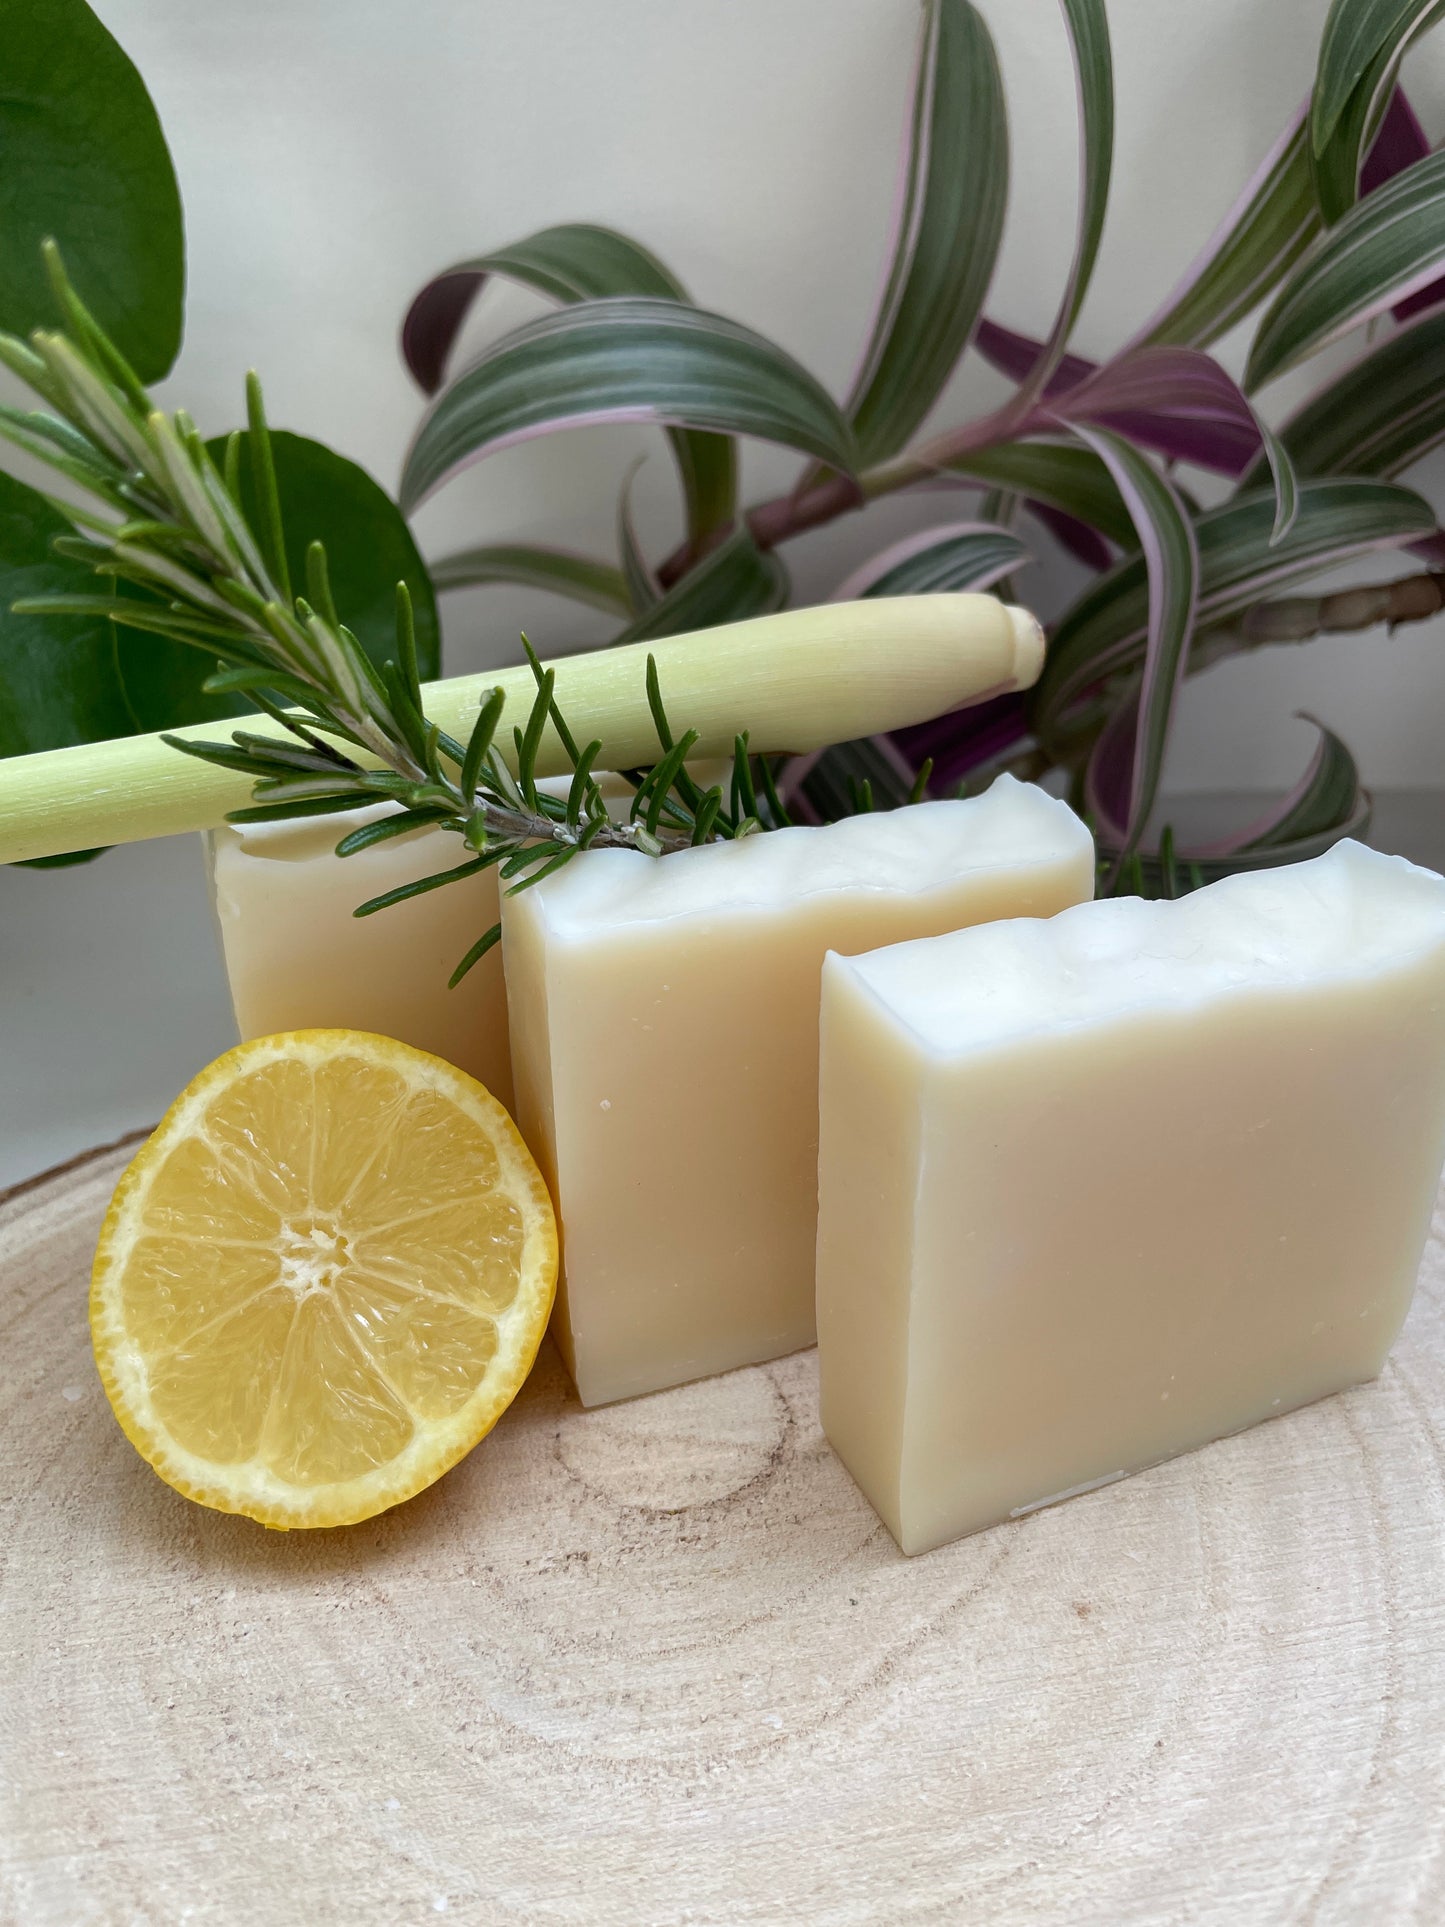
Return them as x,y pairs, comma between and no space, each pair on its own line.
167,520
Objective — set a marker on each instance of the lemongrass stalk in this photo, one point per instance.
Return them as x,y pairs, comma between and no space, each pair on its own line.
795,681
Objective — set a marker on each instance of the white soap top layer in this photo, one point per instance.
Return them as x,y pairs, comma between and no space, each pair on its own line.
1348,914
913,850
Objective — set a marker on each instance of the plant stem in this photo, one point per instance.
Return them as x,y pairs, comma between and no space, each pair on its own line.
823,499
1414,598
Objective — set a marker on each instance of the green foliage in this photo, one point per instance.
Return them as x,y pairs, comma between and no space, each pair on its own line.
948,234
578,577
58,678
577,262
1171,562
215,556
1101,455
1104,634
630,359
369,549
1384,248
1361,49
734,580
83,161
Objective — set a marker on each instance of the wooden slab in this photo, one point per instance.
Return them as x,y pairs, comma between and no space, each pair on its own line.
660,1664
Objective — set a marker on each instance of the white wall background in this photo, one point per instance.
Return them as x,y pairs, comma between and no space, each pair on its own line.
334,153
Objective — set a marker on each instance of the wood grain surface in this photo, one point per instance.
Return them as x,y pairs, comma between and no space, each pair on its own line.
660,1664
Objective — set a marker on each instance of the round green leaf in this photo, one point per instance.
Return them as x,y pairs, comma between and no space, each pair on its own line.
58,679
83,159
369,549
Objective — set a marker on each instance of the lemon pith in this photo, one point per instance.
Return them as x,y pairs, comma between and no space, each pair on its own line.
322,1279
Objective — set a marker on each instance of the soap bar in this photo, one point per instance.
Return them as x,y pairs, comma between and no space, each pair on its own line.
1098,1190
296,957
664,1019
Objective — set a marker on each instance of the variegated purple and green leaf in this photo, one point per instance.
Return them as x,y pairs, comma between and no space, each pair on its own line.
941,561
580,578
1062,475
1104,634
1326,804
1376,417
642,587
1170,561
1361,49
631,358
576,261
947,233
735,580
1266,231
1382,251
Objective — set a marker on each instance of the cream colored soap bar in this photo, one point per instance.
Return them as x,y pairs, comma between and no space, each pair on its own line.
297,957
664,1020
1099,1190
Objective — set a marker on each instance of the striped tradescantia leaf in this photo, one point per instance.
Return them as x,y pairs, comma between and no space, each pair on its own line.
578,577
1326,804
849,779
1164,406
1064,475
735,580
1381,251
1170,562
1088,27
1150,394
574,262
949,227
629,359
1077,537
1103,634
1254,247
964,555
1400,142
1378,416
1361,49
642,589
1045,367
968,744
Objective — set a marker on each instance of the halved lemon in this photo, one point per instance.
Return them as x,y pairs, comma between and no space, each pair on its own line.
323,1279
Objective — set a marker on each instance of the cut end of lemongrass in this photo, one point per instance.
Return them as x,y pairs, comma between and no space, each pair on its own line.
1029,644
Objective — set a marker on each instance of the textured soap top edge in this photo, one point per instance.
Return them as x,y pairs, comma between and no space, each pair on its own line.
1347,914
922,847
